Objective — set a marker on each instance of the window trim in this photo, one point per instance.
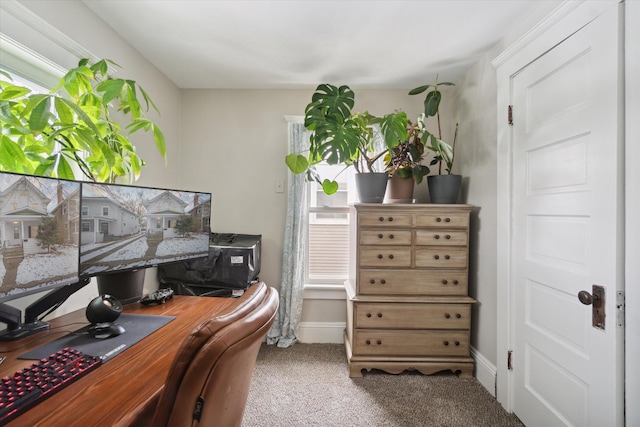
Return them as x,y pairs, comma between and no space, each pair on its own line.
320,289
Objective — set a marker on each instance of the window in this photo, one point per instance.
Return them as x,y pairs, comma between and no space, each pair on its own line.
85,211
328,240
105,211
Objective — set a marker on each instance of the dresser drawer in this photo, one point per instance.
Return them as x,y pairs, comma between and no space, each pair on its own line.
385,256
410,343
442,257
385,219
374,315
412,282
455,220
385,237
441,237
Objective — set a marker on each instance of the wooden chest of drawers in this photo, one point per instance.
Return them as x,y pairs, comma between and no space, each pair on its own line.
407,306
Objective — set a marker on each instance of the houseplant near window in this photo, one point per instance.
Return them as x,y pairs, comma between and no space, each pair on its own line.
339,136
70,132
444,187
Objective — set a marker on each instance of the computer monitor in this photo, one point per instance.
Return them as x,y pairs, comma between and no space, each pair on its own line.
39,225
125,227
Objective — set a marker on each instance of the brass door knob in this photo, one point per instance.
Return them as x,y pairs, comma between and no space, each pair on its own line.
586,298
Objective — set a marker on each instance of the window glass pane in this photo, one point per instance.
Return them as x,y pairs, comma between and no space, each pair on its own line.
328,252
328,242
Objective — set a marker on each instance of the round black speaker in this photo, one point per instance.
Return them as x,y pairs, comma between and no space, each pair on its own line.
104,308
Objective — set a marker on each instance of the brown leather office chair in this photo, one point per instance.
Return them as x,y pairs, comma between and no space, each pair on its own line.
209,380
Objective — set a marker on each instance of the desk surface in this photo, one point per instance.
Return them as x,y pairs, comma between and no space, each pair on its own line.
117,390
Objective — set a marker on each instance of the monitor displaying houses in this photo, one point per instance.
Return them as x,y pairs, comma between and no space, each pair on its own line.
128,227
39,223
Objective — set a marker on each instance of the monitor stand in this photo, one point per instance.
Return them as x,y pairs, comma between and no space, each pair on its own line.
13,317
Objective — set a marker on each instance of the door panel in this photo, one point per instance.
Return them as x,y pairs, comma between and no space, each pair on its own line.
566,223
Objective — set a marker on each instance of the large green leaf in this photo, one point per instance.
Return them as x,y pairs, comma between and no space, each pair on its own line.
336,142
330,103
111,88
297,163
40,113
394,128
11,154
432,103
64,169
81,115
64,113
13,92
329,187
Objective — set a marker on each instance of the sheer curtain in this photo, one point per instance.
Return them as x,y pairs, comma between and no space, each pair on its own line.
283,331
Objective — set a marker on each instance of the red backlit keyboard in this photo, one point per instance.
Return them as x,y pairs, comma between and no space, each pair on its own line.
29,386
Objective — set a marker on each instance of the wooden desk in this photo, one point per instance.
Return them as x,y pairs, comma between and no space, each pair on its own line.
115,392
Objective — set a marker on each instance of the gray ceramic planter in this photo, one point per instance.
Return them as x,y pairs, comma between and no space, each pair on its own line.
444,189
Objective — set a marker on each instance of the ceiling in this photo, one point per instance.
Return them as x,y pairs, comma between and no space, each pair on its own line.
265,44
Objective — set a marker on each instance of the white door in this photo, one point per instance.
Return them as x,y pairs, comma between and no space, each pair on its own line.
567,231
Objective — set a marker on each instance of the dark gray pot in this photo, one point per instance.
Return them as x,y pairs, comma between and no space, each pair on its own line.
444,189
126,287
371,186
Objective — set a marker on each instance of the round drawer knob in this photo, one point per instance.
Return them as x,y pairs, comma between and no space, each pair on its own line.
457,342
446,343
380,236
372,281
381,219
447,237
368,314
436,256
383,281
379,314
444,281
455,282
390,219
378,342
437,236
447,220
447,315
391,256
391,236
447,257
438,219
368,342
458,316
379,256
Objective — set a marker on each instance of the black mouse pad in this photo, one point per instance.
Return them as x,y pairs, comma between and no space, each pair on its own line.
137,327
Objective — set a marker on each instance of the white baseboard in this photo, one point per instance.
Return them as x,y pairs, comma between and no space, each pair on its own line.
321,332
485,371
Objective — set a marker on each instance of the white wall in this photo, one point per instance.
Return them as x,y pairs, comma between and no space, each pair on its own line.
476,160
44,20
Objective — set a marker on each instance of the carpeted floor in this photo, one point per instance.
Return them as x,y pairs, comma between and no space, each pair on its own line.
309,385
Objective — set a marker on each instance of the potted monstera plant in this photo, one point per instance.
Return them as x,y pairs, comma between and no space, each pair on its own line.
342,137
445,186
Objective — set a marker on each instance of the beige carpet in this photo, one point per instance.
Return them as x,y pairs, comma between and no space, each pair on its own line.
308,385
